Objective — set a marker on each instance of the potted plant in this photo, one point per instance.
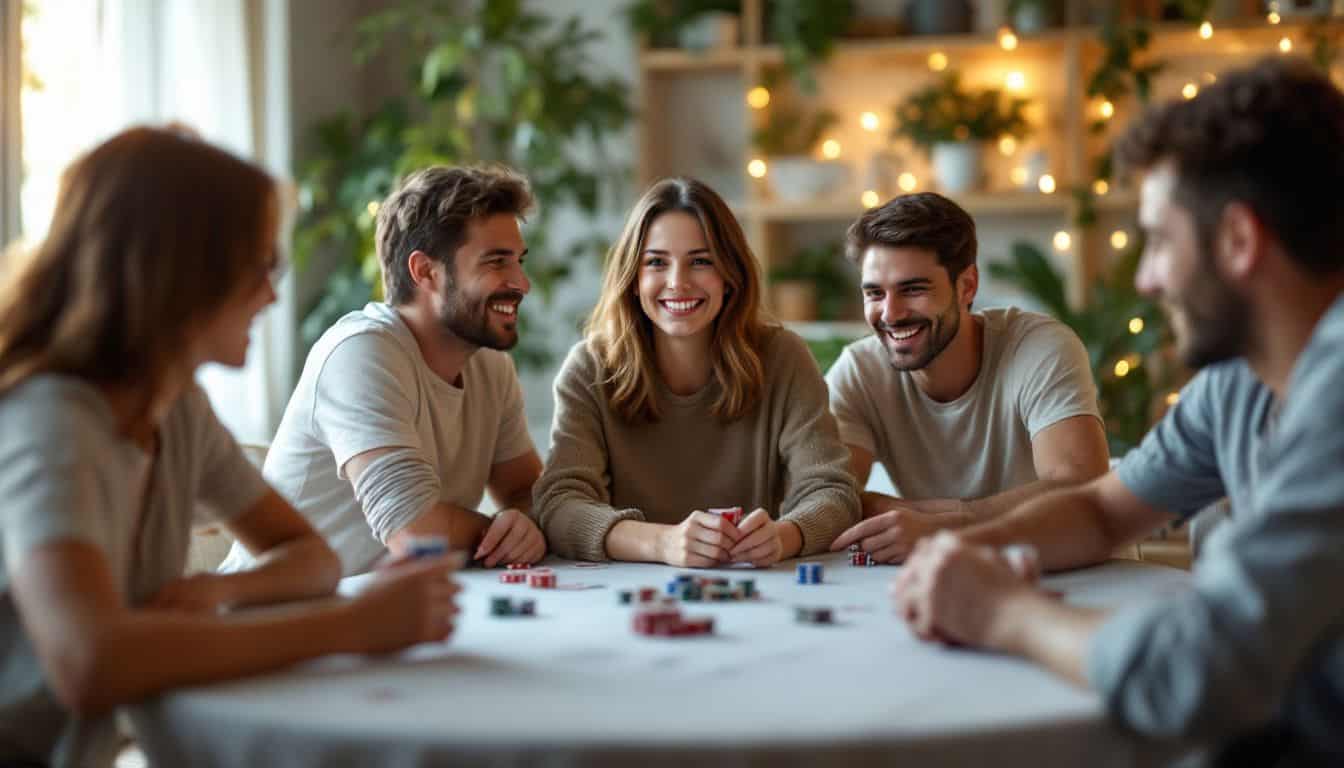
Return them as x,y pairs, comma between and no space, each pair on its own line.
693,24
787,140
813,285
1031,16
805,31
953,124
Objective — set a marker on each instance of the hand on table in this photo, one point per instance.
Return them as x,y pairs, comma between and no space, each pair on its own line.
198,593
408,602
760,544
701,540
890,536
951,591
511,538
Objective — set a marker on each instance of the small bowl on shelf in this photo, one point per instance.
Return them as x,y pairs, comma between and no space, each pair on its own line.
799,178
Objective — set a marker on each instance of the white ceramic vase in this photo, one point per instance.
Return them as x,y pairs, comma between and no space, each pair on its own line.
958,166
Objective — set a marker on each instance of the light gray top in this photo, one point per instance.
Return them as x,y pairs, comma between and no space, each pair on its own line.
1260,637
783,456
65,473
365,386
1034,372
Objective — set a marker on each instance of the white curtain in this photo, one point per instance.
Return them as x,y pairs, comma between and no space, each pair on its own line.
220,67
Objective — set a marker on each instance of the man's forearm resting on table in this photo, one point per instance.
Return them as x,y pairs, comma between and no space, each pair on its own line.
1038,627
464,528
295,570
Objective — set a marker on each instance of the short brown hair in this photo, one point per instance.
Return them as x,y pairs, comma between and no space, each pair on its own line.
922,220
431,210
1270,136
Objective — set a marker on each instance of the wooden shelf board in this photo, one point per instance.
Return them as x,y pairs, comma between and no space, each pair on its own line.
980,203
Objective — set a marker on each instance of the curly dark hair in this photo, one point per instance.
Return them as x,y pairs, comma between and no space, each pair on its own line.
1270,136
431,210
922,220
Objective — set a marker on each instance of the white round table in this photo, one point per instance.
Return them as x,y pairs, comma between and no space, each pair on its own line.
575,685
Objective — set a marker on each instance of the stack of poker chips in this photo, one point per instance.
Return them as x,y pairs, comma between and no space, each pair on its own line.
427,546
691,588
731,514
513,577
507,606
860,557
809,572
812,615
543,578
664,619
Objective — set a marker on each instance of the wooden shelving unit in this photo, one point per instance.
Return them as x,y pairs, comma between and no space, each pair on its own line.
1060,60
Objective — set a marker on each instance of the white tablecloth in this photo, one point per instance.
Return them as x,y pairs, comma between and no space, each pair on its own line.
575,685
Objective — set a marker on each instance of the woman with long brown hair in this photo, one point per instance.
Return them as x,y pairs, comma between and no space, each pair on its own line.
159,256
682,398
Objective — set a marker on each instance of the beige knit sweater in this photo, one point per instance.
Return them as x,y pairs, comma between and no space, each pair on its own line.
785,455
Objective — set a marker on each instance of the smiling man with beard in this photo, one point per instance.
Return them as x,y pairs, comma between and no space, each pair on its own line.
409,410
970,412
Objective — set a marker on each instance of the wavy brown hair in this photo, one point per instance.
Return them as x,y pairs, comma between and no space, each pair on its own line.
621,335
153,232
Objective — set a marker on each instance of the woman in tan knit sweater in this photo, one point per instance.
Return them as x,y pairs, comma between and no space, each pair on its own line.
683,398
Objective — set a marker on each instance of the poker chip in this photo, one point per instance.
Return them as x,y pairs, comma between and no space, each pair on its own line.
813,615
542,579
731,514
861,558
511,577
519,566
426,546
506,606
809,572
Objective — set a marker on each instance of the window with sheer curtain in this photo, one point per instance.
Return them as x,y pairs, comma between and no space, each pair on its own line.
88,68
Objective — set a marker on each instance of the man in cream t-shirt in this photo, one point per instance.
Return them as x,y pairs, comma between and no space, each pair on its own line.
969,412
408,411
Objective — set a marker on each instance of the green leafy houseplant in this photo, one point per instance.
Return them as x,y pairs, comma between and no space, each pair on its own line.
486,82
792,131
823,267
805,31
659,22
947,112
1129,401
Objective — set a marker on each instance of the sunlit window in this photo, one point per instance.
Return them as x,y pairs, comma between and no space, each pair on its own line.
59,50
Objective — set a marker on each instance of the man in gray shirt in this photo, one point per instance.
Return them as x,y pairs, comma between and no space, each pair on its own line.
1242,209
969,412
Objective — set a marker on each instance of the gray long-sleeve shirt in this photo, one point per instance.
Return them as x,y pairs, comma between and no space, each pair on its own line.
1261,637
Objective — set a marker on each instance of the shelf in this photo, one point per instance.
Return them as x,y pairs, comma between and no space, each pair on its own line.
976,204
1169,40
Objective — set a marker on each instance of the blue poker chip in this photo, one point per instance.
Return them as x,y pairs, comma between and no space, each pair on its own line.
427,546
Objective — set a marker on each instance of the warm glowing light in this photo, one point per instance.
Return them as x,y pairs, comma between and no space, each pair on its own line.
1007,145
372,207
937,61
1173,398
1286,45
1015,81
1106,109
1206,30
1101,187
1046,184
756,168
1210,78
1007,40
1018,175
1121,368
1189,90
1119,239
1274,17
758,97
869,121
869,199
1136,325
830,149
907,182
1062,241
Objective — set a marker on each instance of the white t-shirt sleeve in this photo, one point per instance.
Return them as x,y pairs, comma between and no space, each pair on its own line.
230,484
1054,377
514,440
847,401
365,398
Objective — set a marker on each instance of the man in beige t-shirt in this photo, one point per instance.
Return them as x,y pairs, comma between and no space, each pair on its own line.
970,412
